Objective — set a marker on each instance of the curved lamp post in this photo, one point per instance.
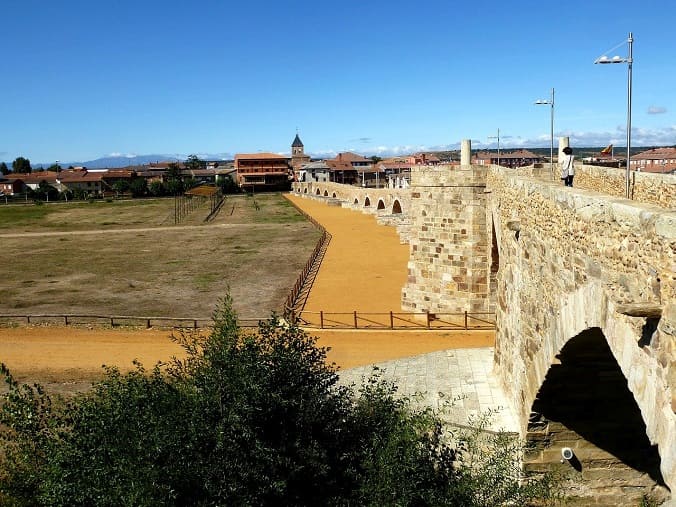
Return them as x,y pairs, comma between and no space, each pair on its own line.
550,102
629,61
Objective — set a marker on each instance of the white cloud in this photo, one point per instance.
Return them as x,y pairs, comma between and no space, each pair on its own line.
657,110
121,155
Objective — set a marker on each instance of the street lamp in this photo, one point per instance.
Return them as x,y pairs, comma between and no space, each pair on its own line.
550,102
498,138
629,61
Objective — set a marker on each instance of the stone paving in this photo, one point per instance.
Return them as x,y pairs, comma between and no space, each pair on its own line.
461,376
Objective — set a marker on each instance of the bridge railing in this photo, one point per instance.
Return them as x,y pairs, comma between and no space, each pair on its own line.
397,320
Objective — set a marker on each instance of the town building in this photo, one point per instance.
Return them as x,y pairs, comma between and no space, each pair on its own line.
517,158
263,171
656,160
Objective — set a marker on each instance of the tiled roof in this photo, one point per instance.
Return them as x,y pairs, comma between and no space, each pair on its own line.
656,154
340,165
260,156
347,156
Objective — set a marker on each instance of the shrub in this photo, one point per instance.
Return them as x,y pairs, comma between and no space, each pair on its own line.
247,418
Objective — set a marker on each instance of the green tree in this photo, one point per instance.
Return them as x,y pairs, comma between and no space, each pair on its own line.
194,163
54,167
21,165
247,418
4,169
138,187
174,180
375,159
157,189
120,187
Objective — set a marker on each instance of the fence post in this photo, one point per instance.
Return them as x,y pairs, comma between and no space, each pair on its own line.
65,319
355,319
28,319
112,322
465,319
147,323
427,316
391,320
321,319
194,322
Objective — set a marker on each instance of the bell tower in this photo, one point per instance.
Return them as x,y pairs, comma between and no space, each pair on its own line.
298,156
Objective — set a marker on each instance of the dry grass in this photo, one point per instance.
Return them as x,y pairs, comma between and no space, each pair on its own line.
137,266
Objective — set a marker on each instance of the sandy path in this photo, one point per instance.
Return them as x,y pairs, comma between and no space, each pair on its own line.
365,266
364,269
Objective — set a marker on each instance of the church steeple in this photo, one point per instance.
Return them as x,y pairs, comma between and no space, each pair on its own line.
297,147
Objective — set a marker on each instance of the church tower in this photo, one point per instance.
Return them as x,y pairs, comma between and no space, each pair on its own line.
298,156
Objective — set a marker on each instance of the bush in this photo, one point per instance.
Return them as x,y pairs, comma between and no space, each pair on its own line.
247,418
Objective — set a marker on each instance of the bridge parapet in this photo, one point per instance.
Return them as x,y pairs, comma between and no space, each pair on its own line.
648,188
574,260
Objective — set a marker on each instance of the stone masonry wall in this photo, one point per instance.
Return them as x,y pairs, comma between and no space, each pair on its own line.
448,270
571,260
649,188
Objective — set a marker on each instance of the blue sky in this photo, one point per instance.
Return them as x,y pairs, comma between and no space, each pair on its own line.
85,79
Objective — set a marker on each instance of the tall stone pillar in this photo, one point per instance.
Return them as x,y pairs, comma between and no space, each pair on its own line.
448,265
466,152
563,143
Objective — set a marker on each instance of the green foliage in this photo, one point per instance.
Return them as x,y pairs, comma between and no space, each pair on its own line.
156,189
138,187
3,168
21,165
247,418
193,162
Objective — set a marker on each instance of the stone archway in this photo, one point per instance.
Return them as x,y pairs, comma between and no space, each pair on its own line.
396,207
356,201
305,190
367,202
326,193
334,195
585,404
319,192
381,205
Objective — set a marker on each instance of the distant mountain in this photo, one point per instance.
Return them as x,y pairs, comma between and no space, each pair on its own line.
113,162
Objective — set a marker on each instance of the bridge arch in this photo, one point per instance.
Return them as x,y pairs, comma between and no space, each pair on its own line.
319,192
586,318
356,201
381,204
326,193
305,190
367,202
334,195
585,404
396,207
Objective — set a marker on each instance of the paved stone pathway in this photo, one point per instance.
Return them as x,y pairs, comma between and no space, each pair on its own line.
461,376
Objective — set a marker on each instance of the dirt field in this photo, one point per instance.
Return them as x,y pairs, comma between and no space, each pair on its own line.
364,269
80,259
66,359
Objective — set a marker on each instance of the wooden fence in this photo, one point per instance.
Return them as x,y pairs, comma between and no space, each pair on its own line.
396,320
295,301
120,320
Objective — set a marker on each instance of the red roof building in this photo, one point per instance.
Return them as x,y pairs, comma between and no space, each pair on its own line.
657,160
262,170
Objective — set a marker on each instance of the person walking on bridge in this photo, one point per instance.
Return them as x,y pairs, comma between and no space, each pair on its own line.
567,167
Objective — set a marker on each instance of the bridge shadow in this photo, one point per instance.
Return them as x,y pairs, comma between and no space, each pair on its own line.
585,403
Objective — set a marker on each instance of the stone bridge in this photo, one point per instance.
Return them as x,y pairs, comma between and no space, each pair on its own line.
583,283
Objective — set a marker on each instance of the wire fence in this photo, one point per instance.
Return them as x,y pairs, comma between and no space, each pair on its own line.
397,320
